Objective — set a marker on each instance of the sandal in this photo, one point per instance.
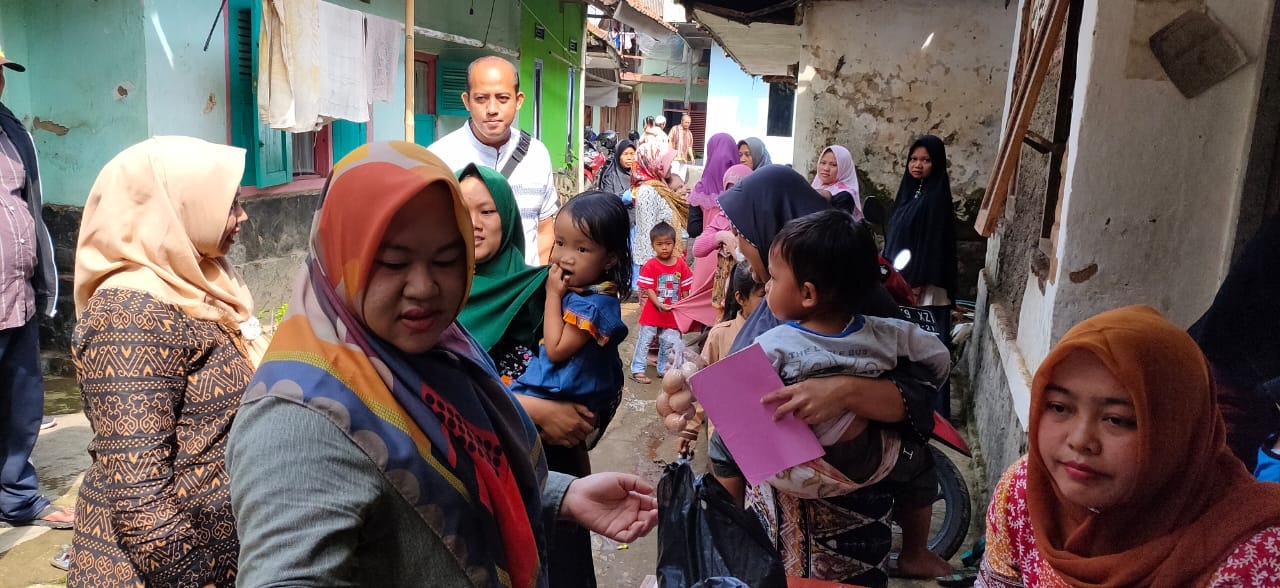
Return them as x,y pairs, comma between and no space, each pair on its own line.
641,378
41,519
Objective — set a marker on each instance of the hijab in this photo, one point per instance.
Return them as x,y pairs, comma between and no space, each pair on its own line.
722,154
759,153
759,205
764,201
652,166
924,221
616,179
154,221
1245,303
846,176
734,175
653,163
506,294
441,428
1195,502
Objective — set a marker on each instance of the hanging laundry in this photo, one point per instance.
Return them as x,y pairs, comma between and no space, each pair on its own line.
289,65
344,91
383,39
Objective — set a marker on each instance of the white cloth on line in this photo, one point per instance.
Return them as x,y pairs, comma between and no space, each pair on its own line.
289,65
383,39
344,92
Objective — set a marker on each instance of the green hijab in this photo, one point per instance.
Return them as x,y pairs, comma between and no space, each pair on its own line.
507,295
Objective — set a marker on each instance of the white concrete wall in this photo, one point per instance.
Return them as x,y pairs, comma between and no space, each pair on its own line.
1154,179
1151,202
869,82
738,104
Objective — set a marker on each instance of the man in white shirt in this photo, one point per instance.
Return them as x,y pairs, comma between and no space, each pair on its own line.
489,138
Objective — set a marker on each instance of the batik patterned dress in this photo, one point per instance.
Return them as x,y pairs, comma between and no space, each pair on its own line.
1013,560
160,389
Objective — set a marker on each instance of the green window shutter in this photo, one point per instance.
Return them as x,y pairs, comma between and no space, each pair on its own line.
273,149
243,105
269,153
347,136
451,82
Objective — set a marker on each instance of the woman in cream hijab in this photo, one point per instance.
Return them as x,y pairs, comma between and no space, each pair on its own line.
164,347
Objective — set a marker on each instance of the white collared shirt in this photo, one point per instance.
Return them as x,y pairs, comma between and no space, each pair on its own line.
531,182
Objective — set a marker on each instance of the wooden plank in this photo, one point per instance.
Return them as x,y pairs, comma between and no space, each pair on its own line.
1044,42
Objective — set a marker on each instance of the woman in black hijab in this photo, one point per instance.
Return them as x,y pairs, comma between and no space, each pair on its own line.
758,207
924,222
616,176
1240,335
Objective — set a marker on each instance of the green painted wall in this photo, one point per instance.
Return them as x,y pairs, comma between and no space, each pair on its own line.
85,76
561,121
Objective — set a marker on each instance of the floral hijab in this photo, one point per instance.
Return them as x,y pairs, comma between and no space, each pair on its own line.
652,166
653,163
462,454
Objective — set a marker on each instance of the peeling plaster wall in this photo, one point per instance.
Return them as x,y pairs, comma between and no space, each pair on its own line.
91,89
1153,181
866,83
1150,204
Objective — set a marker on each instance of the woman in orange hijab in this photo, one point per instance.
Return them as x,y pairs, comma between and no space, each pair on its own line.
1128,480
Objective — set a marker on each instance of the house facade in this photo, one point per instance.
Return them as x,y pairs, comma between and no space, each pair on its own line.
104,75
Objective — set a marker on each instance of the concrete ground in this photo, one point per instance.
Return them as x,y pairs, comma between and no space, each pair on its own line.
636,442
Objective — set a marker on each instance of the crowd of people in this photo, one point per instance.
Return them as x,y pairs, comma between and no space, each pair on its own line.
425,412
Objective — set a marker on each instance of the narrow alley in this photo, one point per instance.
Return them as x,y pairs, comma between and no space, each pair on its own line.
332,291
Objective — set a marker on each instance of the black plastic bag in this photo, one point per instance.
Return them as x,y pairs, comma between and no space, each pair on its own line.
704,540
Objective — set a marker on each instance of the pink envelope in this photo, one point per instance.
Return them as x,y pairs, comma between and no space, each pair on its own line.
730,391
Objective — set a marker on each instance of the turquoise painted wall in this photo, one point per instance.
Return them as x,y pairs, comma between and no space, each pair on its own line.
13,40
85,72
561,121
652,95
192,83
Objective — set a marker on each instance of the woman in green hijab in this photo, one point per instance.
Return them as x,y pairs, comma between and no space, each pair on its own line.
504,310
504,314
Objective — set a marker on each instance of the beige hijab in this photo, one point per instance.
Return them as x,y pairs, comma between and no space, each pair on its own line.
153,222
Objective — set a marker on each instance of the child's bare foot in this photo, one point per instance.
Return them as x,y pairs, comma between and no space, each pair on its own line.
922,563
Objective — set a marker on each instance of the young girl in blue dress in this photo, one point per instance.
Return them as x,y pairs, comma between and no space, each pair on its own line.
578,358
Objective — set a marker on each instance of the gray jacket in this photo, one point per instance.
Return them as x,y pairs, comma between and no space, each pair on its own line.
313,510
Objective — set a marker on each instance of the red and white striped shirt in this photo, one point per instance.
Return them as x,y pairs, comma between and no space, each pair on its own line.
17,241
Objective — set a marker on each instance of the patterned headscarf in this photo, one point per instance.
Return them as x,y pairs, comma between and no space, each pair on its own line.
1194,503
653,163
463,455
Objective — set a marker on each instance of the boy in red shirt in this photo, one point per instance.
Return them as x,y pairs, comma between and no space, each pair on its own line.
663,280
